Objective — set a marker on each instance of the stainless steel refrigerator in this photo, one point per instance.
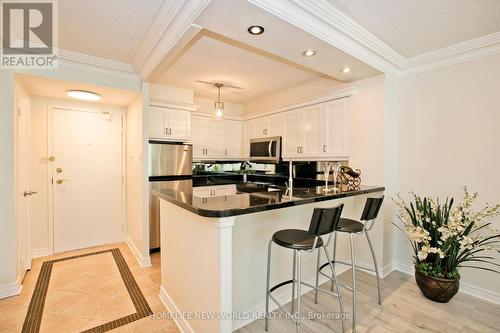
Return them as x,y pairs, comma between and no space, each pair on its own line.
170,165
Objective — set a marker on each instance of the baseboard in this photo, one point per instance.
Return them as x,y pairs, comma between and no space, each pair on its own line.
179,320
143,262
466,288
487,295
11,289
37,253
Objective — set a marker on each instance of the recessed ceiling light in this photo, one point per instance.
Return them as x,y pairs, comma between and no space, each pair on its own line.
309,52
345,70
255,30
84,95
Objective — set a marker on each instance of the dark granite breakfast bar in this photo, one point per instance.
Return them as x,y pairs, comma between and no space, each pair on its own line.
214,235
246,203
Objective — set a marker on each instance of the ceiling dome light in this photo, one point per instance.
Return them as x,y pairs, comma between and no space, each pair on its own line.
309,52
345,70
255,30
83,95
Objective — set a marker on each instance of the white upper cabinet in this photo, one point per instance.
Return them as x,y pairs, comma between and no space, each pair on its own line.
316,132
169,124
199,129
275,125
335,132
216,139
232,139
312,130
264,127
293,138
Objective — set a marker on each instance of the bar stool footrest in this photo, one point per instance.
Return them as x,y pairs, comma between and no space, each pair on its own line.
279,285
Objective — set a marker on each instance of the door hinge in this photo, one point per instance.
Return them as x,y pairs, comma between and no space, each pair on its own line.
52,181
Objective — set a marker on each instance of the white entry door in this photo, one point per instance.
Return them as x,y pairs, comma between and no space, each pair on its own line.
87,178
23,184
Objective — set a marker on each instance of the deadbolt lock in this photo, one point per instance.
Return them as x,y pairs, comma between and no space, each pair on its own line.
52,158
60,181
59,170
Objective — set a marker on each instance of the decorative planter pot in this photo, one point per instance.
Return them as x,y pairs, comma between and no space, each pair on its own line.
437,289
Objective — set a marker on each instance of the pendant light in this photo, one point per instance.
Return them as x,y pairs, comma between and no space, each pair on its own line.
219,105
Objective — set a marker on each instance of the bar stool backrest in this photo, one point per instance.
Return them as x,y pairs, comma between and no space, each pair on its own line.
372,207
325,220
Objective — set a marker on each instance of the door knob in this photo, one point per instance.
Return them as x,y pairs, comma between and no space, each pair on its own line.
60,181
59,170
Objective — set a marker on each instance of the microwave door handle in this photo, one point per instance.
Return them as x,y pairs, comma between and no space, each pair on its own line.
270,148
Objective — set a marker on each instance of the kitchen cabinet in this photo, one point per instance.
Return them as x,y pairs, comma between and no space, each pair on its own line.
169,124
214,191
232,139
316,132
263,127
335,139
216,139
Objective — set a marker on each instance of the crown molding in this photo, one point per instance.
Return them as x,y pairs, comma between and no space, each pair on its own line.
95,65
155,101
324,21
454,54
335,95
171,23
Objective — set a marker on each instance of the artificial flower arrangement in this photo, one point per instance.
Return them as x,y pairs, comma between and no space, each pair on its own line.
446,237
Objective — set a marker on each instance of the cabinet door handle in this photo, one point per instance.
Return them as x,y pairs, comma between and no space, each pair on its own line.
324,148
170,130
166,131
298,150
302,150
225,151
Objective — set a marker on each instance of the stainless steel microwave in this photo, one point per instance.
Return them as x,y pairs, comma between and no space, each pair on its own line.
265,149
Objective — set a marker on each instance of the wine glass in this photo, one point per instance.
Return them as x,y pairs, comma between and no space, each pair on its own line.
326,169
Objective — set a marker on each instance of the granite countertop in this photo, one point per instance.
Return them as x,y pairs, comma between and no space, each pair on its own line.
247,203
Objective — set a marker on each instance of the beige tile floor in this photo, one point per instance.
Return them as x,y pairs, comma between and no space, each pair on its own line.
86,292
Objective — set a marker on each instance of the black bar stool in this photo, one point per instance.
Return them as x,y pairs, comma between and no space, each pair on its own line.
323,222
353,227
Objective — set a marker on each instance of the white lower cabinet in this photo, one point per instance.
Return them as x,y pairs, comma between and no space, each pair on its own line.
214,191
216,139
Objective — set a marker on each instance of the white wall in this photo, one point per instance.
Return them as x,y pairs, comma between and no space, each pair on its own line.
173,94
449,136
137,191
8,235
293,95
8,246
40,224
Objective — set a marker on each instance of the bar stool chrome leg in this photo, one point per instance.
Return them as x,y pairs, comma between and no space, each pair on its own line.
353,261
334,253
334,281
294,280
299,284
317,278
376,267
268,279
